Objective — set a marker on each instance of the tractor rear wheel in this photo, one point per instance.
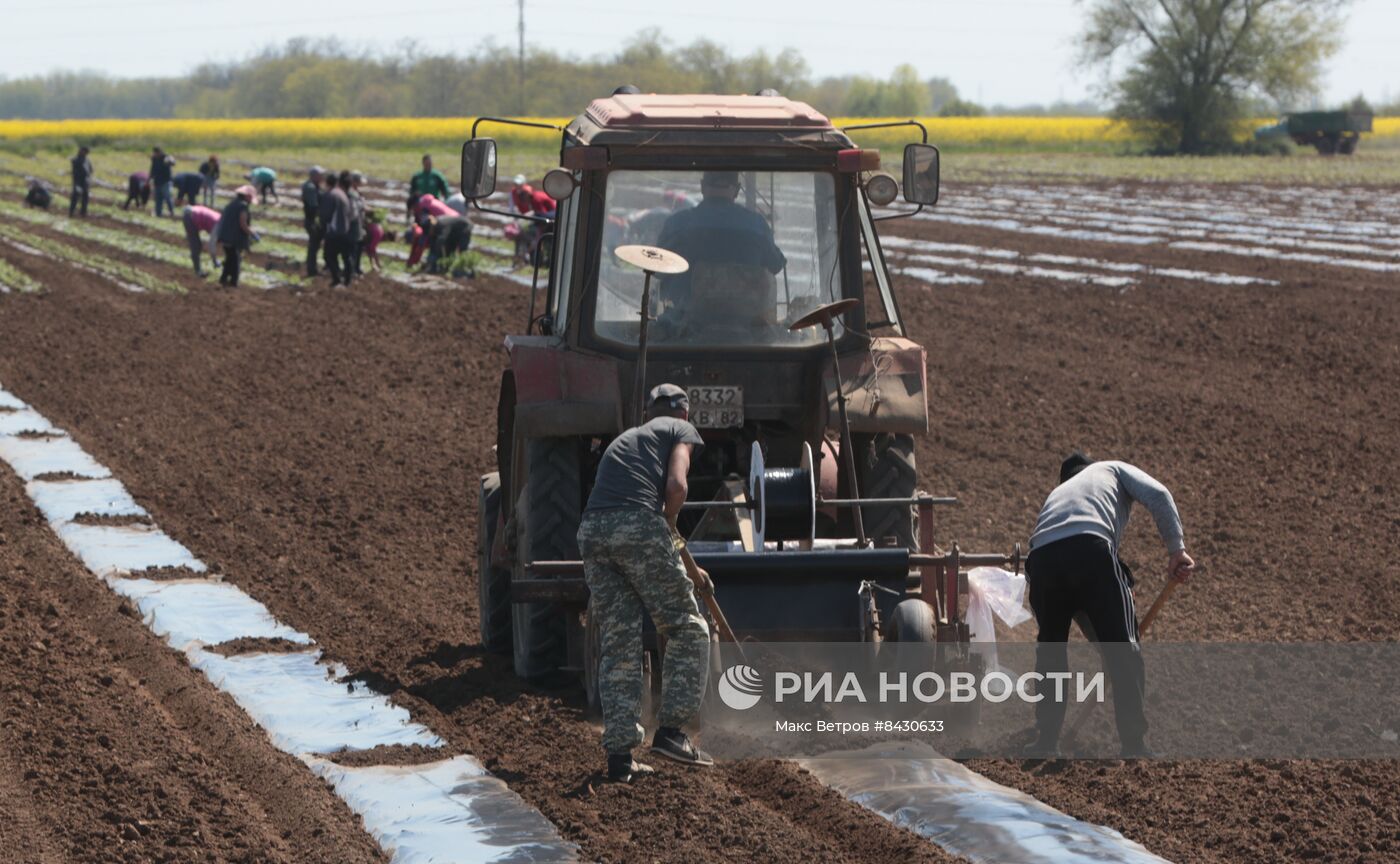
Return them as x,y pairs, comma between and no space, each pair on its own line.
492,581
891,472
553,509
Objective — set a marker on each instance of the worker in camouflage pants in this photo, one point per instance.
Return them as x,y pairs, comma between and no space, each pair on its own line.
632,566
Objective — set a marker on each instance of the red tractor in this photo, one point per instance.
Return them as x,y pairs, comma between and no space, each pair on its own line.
804,502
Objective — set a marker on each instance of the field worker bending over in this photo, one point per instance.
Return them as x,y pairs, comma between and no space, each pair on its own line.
199,219
37,196
631,565
1073,570
264,179
138,190
188,185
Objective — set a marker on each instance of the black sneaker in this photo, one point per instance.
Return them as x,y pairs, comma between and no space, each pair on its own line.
622,768
674,744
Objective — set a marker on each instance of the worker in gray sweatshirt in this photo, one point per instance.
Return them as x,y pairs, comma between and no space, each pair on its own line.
1074,573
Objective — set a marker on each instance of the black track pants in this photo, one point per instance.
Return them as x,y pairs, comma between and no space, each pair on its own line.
1080,577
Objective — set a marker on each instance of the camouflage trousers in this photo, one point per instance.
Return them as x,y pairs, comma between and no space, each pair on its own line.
631,566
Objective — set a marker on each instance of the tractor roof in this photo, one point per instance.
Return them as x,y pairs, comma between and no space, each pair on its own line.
676,118
653,111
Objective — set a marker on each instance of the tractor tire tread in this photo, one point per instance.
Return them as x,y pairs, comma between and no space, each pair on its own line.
554,492
493,583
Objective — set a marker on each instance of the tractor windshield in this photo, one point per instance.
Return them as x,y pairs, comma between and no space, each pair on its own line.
762,248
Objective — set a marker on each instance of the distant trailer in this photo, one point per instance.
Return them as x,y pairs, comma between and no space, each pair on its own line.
1329,131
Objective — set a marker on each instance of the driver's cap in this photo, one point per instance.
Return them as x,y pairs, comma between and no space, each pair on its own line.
668,397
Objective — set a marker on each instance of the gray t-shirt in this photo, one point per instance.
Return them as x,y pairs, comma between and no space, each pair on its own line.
1098,501
632,473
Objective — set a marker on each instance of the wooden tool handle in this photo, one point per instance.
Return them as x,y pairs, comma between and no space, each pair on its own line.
1167,590
693,570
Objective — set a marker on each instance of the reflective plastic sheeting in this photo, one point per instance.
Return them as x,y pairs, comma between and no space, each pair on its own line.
110,550
304,709
189,612
19,421
445,811
967,814
31,457
62,500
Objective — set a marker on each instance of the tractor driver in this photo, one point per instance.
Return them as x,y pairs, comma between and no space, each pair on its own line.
632,567
732,259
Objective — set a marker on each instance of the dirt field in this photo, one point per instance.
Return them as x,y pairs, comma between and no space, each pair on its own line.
322,448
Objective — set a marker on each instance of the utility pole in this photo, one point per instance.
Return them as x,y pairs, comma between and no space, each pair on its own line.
520,100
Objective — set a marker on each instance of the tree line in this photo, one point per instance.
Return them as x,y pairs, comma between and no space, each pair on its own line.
323,78
1188,73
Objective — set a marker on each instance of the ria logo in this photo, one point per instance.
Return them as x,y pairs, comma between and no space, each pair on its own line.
740,687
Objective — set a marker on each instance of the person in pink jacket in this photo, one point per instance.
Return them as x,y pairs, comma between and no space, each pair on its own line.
201,220
431,205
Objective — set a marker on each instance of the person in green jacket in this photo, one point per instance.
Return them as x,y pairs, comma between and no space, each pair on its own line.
429,181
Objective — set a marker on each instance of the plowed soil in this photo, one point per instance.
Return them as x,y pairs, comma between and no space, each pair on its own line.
321,449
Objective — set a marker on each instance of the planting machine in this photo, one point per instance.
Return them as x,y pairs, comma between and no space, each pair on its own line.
804,505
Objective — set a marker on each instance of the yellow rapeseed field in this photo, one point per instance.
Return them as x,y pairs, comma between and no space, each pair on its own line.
1386,126
372,131
1028,133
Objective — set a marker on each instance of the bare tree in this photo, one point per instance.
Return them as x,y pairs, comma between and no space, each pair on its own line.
1192,66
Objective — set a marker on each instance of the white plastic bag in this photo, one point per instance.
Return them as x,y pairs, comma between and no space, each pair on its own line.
991,590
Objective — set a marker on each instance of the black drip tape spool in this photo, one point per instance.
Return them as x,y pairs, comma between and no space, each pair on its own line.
785,500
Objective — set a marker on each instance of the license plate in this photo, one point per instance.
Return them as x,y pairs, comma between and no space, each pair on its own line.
716,407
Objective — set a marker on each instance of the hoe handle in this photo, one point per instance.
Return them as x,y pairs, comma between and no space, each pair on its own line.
1167,590
704,588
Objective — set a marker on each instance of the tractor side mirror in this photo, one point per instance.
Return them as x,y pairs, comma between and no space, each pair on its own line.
921,174
478,168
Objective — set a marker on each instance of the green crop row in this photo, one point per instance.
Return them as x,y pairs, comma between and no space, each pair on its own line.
14,279
119,272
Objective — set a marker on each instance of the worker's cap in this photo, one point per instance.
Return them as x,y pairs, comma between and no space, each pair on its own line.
357,176
667,397
316,170
519,180
246,191
719,178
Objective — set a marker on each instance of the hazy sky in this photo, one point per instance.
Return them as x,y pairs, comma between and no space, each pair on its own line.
995,51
